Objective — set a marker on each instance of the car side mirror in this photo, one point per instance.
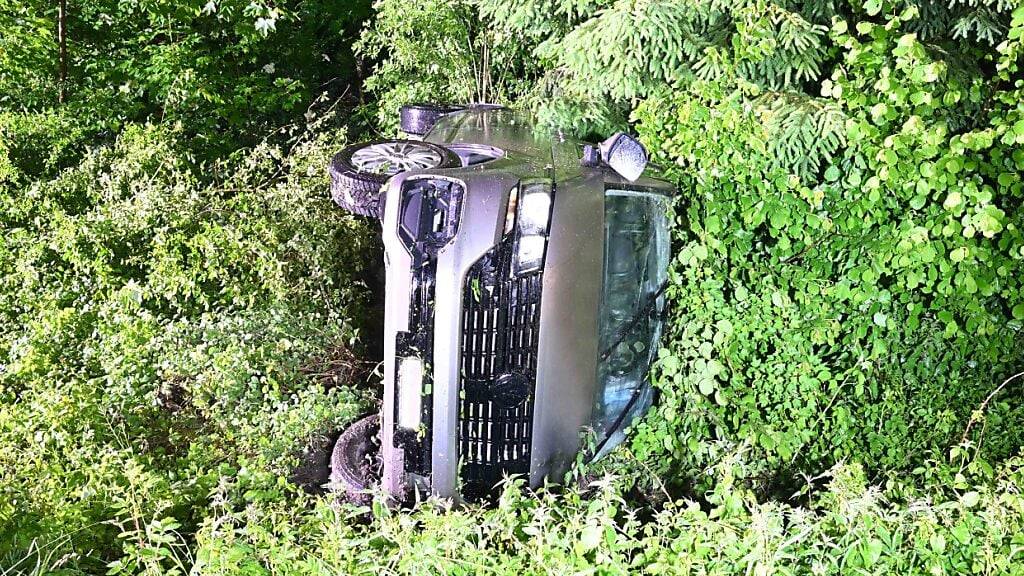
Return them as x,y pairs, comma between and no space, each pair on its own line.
624,154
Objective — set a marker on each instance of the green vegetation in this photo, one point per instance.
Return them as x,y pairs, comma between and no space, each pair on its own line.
157,330
229,71
182,307
852,291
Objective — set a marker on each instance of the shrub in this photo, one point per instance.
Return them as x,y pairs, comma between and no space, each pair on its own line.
438,51
156,328
851,528
855,306
228,70
39,145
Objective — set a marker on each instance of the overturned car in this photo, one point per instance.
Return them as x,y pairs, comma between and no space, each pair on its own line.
524,288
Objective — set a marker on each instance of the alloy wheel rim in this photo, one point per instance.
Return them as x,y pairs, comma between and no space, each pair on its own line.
390,158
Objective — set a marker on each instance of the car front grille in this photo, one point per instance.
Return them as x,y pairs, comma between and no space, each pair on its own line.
500,321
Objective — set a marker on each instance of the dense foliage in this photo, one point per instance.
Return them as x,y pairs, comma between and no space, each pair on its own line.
176,345
439,51
181,307
853,529
156,330
225,69
860,304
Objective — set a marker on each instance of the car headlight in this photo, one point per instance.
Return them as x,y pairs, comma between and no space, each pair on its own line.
534,206
410,391
535,210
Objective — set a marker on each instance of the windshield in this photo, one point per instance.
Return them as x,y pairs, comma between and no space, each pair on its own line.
636,254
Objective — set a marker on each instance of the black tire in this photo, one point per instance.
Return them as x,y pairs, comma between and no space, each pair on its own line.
356,461
359,191
418,119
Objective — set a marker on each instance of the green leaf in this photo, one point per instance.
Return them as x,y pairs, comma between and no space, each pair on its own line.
779,218
962,533
970,499
724,326
590,537
952,200
777,300
907,40
670,365
953,166
872,551
937,542
715,367
990,221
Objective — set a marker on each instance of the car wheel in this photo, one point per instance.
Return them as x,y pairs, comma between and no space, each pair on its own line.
356,460
358,172
418,119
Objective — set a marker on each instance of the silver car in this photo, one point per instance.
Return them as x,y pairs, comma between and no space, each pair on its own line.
525,274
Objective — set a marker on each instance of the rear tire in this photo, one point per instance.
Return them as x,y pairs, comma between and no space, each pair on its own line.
359,171
356,461
418,119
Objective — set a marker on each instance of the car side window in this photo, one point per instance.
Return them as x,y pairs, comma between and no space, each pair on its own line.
636,255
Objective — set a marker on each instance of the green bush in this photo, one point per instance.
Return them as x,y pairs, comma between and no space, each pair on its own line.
856,306
39,145
227,70
156,329
850,529
438,51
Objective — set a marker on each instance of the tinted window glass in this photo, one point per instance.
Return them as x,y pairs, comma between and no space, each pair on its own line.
636,253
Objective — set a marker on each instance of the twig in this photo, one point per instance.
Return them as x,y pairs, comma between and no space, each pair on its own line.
980,412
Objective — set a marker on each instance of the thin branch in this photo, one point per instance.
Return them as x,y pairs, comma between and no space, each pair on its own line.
62,51
980,412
